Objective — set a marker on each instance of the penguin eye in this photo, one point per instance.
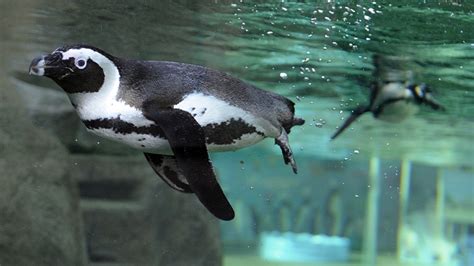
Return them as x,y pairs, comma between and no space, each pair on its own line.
80,62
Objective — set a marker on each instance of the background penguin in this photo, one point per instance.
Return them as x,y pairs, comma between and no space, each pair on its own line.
393,96
174,112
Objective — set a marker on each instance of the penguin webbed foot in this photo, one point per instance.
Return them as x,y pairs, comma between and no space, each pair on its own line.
284,144
166,167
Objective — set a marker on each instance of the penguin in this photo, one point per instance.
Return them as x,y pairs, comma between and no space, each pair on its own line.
174,112
392,100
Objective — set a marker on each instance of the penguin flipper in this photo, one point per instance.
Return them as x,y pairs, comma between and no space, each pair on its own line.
165,166
434,104
284,144
187,140
355,114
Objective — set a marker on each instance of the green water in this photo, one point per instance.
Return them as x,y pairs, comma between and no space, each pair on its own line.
324,48
258,41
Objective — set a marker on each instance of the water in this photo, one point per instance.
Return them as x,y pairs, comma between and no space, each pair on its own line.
332,43
317,54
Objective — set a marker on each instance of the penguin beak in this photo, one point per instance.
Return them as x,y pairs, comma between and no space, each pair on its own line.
50,65
37,66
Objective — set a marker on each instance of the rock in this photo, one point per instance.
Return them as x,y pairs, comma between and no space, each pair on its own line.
189,235
243,229
40,222
51,110
133,217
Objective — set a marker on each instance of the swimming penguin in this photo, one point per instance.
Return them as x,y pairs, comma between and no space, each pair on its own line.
174,112
393,100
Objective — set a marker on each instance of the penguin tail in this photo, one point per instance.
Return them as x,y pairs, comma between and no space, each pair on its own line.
297,121
287,114
294,122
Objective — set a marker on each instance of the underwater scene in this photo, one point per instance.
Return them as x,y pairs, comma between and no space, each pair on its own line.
137,133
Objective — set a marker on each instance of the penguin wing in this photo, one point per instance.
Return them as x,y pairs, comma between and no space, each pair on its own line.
187,140
355,114
433,103
166,167
374,90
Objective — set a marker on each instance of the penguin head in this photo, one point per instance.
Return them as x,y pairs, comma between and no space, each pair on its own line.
422,94
76,68
420,91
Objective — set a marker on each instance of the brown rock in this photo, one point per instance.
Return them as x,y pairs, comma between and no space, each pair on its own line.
40,223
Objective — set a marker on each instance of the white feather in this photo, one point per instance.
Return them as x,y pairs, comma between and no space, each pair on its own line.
399,110
104,103
211,110
142,142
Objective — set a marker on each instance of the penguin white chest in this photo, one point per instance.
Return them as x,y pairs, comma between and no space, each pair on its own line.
398,111
107,116
118,121
396,102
